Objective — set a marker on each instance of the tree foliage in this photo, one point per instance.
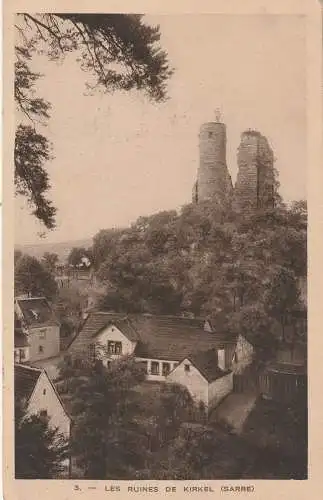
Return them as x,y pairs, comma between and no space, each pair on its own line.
68,306
121,422
50,261
32,278
40,451
245,268
76,255
103,441
118,51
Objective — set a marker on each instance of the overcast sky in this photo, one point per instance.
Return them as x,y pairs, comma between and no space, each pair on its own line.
120,156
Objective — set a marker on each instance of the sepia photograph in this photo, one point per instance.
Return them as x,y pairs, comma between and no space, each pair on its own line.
160,246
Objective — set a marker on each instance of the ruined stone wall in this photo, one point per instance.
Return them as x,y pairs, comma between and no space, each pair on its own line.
254,186
213,179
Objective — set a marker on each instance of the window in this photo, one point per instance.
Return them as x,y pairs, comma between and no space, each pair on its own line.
166,369
42,334
21,354
43,413
187,368
114,347
40,349
154,368
44,392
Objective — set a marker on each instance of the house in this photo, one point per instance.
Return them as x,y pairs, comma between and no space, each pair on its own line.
39,327
34,389
161,344
205,377
21,344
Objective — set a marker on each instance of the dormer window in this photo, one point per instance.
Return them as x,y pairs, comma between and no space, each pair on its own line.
35,314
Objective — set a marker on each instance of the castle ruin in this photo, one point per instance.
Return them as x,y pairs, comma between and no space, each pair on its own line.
213,178
254,187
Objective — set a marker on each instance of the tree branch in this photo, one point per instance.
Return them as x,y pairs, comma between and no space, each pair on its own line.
47,28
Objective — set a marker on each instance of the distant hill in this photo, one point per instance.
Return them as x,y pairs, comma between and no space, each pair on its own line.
62,249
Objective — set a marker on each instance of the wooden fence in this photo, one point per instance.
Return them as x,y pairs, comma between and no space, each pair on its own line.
271,385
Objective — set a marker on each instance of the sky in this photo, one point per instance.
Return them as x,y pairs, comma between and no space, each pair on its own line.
119,156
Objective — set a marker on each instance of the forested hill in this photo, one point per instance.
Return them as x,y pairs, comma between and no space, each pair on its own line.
243,268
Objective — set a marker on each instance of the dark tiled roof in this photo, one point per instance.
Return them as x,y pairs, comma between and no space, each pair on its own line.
93,325
158,337
25,380
37,312
173,338
207,364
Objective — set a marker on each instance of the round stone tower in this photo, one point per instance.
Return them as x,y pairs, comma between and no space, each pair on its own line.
213,179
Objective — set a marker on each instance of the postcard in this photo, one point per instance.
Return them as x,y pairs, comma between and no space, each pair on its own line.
162,249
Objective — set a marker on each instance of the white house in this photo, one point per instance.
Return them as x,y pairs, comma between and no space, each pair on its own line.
35,390
205,377
160,343
39,327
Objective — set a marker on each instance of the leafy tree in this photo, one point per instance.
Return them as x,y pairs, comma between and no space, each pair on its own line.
50,261
17,255
105,441
68,306
32,278
76,254
200,452
210,263
104,243
39,450
119,51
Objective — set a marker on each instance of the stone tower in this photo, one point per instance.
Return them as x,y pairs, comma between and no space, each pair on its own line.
254,186
213,179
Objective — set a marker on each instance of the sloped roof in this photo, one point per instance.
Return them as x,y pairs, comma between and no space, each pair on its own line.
96,322
207,364
158,337
165,337
36,312
26,379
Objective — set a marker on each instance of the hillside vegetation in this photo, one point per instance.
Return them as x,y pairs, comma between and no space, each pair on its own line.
242,270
